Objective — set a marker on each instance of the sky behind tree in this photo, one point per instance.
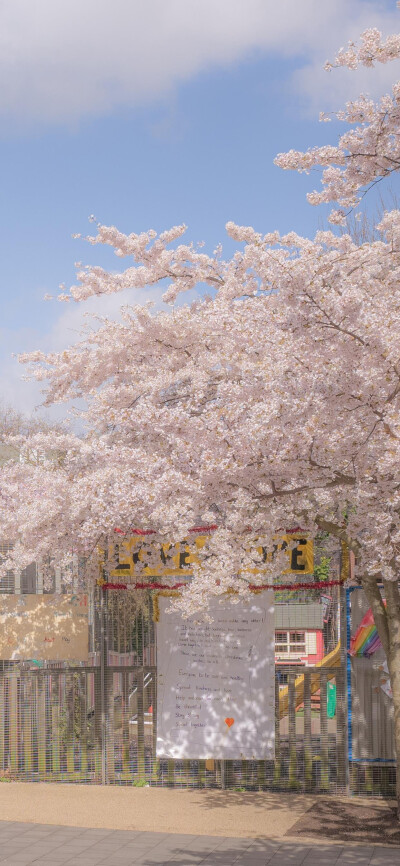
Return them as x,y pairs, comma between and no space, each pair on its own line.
150,114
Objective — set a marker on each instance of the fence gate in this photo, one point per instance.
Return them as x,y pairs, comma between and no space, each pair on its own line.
97,722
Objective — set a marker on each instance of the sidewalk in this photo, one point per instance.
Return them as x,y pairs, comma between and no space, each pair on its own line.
52,845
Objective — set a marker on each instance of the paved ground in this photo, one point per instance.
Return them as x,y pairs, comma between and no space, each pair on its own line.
52,845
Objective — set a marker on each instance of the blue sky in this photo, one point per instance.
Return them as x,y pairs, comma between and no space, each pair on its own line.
157,113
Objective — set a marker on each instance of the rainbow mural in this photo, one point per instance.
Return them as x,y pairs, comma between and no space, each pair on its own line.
366,640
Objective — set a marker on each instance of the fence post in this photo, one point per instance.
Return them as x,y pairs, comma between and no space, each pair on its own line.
324,736
141,763
14,721
110,724
2,716
103,662
277,762
293,783
308,754
26,706
82,678
261,775
343,718
125,726
41,724
342,708
223,774
70,705
55,725
140,726
155,761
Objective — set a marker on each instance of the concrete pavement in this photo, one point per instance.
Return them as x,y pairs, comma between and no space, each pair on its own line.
51,845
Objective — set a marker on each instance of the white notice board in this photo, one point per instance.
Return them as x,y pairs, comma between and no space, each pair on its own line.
44,627
216,682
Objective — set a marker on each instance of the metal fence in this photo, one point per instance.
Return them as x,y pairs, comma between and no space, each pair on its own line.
97,722
61,725
371,752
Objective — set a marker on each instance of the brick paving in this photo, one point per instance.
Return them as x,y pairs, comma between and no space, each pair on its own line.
52,845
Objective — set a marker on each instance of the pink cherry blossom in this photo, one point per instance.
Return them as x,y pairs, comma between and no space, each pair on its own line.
271,401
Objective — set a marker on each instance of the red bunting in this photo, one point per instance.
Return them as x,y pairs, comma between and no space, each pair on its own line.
292,587
211,527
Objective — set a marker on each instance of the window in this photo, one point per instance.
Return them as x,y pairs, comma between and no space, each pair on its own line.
298,642
290,642
281,642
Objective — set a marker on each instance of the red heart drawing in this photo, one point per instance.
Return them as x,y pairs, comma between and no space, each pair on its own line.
229,722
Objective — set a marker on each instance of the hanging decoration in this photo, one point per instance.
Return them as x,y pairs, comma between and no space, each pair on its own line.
277,587
384,680
366,641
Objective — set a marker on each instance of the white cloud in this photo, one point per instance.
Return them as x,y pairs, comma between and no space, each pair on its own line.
14,391
74,318
328,91
62,60
70,321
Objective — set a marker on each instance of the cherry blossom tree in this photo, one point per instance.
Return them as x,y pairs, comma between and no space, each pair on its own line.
272,401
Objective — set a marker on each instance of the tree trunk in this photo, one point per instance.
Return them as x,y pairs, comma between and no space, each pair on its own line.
387,621
393,615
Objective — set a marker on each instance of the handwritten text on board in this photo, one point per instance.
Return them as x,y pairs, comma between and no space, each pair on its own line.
216,684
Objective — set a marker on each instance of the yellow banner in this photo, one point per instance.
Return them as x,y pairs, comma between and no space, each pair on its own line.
174,560
300,556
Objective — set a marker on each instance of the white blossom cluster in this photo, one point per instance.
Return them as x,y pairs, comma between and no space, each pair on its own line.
370,149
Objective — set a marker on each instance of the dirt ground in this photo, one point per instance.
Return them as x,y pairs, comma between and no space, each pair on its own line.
203,812
349,820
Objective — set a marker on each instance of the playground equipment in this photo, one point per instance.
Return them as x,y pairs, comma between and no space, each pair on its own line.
332,660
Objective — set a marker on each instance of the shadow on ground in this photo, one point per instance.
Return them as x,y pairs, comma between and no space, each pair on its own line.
273,801
241,852
349,821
